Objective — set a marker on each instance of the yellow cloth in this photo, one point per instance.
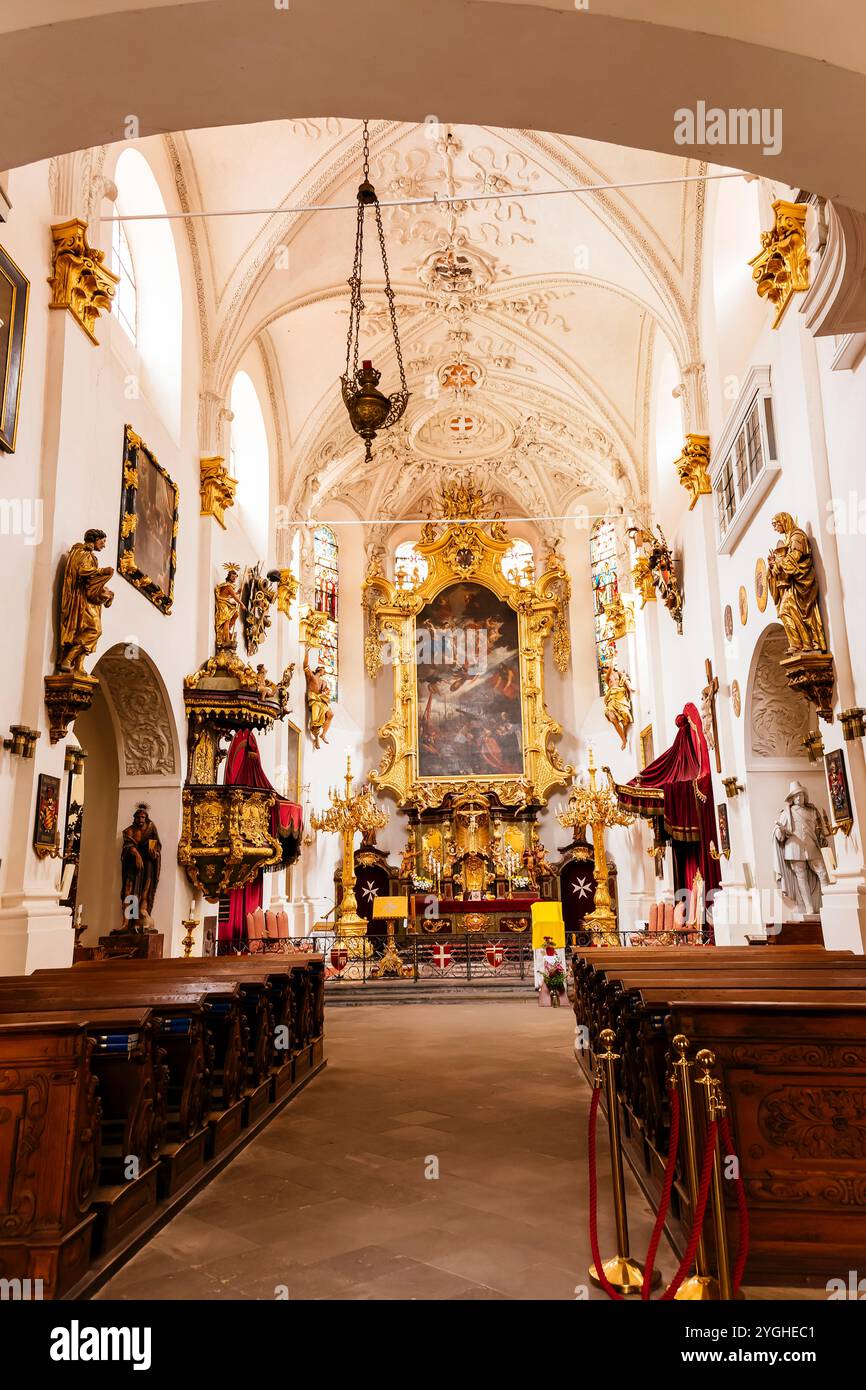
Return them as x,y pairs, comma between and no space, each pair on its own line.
547,920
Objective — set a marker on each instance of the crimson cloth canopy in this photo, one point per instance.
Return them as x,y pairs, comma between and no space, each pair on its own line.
244,769
675,791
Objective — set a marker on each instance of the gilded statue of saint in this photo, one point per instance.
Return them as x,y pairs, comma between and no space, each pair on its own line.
82,600
793,584
318,701
617,702
228,606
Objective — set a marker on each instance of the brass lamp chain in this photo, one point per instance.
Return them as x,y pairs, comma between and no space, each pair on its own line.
367,196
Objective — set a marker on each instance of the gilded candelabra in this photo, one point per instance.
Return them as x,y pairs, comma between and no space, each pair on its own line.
598,808
349,812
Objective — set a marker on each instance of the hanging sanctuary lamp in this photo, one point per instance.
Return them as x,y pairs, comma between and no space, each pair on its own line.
369,410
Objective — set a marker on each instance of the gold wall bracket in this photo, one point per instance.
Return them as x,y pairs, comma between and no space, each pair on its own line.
217,488
79,281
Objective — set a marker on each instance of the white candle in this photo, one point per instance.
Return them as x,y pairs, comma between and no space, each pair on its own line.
80,910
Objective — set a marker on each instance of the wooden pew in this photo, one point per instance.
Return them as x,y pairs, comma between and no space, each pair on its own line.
734,1008
296,981
184,1010
50,1135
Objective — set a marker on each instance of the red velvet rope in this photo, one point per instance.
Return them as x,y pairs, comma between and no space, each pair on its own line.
593,1199
740,1189
700,1210
665,1198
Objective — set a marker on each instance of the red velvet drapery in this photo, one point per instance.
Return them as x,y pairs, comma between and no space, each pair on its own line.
676,789
244,769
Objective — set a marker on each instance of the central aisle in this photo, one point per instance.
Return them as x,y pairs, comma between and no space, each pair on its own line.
332,1201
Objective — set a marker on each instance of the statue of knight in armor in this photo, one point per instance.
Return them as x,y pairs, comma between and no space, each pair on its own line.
798,839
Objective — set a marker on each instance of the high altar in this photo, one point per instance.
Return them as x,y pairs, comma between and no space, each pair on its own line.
470,755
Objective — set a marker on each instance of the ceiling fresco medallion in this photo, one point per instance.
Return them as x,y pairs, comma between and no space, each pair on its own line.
744,605
729,622
736,699
454,432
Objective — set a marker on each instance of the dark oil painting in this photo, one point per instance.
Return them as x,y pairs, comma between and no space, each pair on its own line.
468,663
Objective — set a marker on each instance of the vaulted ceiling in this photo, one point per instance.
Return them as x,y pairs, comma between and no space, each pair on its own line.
529,325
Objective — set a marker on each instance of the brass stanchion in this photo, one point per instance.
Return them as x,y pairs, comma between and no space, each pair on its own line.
715,1109
624,1273
700,1287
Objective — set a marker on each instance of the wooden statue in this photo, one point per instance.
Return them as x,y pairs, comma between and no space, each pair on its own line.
82,599
618,709
793,584
140,861
318,701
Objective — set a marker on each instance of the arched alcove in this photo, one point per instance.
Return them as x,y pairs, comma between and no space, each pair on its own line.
158,296
129,735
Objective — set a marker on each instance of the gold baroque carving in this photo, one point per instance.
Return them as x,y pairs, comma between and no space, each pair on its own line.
693,467
79,281
217,488
781,267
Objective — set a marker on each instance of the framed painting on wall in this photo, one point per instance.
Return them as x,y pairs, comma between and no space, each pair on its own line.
147,546
14,294
46,826
837,786
724,829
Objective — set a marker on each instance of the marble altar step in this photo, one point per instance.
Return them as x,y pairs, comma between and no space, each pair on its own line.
352,993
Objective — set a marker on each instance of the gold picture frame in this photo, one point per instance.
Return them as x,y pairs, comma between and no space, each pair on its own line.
14,297
147,544
464,552
647,747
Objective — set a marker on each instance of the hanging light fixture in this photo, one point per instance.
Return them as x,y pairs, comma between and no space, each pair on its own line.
369,410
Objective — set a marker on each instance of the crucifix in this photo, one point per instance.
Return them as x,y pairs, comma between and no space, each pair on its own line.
708,712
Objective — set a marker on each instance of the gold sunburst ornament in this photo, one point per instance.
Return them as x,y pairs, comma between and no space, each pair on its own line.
369,409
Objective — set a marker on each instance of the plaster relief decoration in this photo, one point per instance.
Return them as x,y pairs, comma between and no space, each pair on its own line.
693,467
217,488
781,268
793,586
142,716
83,595
468,433
79,281
658,560
779,720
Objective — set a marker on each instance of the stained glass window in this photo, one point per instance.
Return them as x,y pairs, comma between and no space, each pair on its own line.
605,587
518,565
410,568
326,573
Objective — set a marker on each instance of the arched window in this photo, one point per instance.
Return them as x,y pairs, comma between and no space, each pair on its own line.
410,568
249,460
326,575
518,565
125,304
605,587
158,297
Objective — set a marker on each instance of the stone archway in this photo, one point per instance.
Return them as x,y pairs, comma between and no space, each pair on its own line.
133,756
248,57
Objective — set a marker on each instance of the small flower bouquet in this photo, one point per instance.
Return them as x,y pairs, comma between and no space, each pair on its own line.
554,979
422,884
521,881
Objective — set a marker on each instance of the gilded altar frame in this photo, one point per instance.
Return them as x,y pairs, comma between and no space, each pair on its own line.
465,550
